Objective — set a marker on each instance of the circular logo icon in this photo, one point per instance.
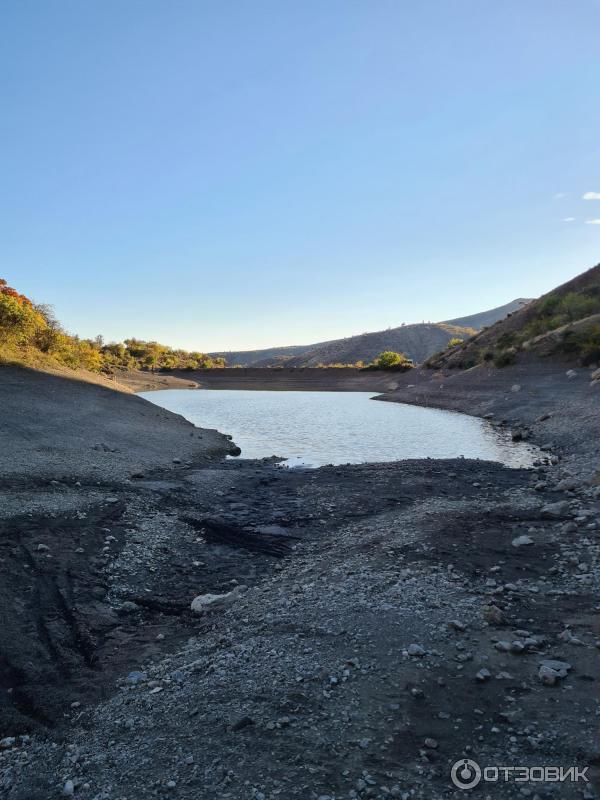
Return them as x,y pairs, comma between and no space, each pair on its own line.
465,773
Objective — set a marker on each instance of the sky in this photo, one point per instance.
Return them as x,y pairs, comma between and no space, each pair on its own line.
244,173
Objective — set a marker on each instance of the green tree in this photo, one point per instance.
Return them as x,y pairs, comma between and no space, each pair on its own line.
389,359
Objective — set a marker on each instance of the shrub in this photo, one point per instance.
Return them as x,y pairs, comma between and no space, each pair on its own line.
504,359
391,360
585,344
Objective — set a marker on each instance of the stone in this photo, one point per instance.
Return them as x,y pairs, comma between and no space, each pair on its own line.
206,603
243,722
493,615
520,541
415,650
483,675
516,387
457,625
69,788
431,743
548,676
7,742
560,667
556,510
136,677
596,375
566,485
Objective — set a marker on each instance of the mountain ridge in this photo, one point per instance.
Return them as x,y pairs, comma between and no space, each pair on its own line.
418,340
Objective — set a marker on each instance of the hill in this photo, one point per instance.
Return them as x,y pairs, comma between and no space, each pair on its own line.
486,318
31,336
563,322
418,341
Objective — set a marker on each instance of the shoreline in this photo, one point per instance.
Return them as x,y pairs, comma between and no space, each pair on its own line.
327,379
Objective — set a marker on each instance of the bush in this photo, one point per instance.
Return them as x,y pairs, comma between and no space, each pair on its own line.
30,333
504,359
585,344
555,311
391,360
19,321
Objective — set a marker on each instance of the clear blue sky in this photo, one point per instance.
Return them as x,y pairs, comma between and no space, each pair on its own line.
248,173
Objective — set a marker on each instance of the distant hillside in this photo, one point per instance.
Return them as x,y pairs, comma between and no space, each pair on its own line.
268,357
418,341
486,318
565,321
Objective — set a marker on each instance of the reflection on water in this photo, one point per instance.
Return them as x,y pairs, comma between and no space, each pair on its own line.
316,428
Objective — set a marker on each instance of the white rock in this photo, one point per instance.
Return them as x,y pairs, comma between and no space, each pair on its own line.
522,540
205,603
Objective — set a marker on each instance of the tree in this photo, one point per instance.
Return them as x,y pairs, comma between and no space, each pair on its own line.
389,359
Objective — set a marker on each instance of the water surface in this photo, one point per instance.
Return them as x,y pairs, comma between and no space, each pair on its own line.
317,428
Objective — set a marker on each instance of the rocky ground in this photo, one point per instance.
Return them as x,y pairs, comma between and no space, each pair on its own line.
232,629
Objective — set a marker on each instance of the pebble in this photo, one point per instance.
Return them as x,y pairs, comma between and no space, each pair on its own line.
520,541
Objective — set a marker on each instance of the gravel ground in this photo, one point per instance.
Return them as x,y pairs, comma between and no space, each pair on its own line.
374,624
56,427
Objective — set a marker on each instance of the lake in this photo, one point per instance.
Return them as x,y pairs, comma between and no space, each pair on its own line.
316,428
